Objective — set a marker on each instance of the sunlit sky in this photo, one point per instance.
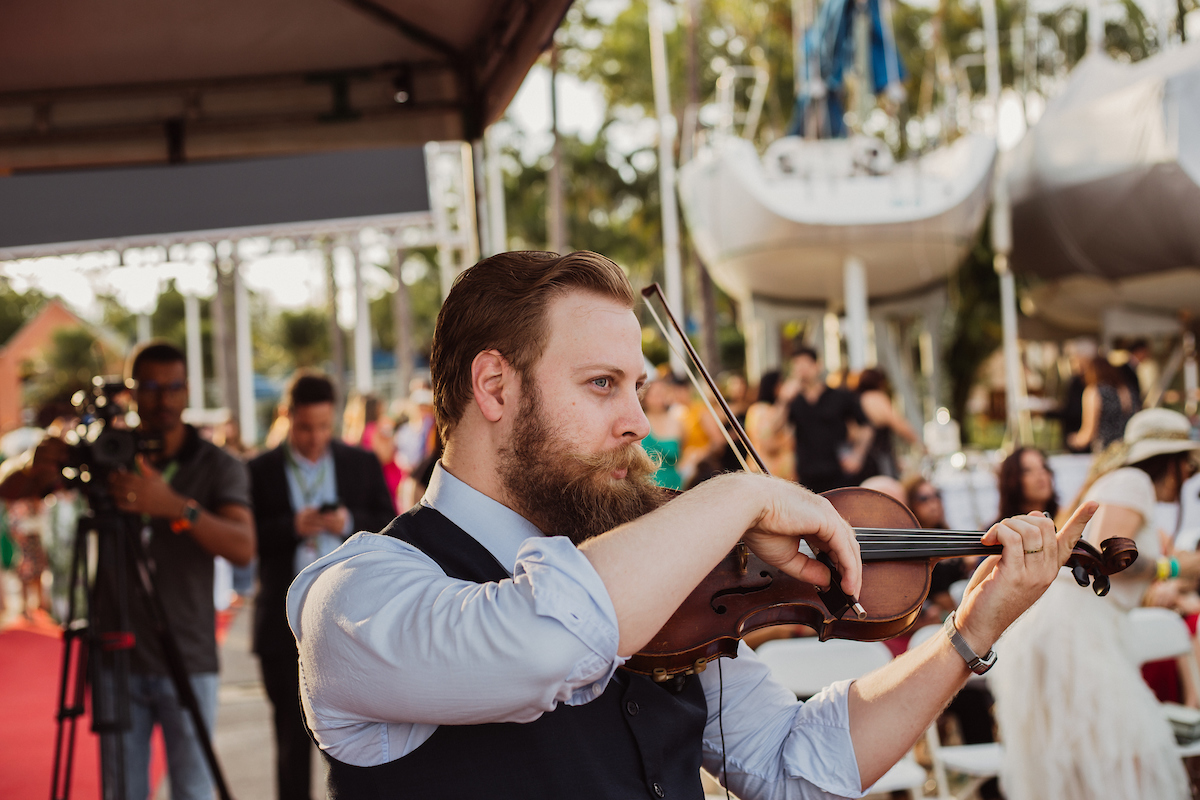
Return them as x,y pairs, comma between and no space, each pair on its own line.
293,279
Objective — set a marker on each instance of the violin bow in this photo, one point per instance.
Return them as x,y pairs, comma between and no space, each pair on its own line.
654,290
836,600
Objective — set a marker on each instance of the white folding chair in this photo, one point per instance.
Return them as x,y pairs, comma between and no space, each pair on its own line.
807,665
1155,634
958,589
978,762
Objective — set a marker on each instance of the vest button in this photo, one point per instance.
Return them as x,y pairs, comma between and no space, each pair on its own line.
658,790
633,708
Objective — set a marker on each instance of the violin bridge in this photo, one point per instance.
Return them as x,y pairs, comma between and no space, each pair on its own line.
742,554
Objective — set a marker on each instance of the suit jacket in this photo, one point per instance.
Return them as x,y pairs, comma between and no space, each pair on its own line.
361,489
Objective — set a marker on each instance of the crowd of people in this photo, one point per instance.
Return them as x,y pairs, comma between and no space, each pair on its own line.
807,430
201,505
1067,676
400,661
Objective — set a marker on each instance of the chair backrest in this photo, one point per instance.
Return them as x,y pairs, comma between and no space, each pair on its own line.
1157,633
922,633
807,665
958,589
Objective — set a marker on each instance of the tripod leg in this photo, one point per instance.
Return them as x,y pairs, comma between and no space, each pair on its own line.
110,646
73,682
174,660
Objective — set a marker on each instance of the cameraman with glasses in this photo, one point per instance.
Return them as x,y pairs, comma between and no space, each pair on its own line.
193,500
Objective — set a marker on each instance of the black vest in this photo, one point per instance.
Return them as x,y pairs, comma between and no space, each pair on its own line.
638,739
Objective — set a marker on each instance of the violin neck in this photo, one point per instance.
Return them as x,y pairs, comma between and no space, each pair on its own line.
896,544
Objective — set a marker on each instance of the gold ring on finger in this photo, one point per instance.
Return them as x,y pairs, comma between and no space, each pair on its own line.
1031,552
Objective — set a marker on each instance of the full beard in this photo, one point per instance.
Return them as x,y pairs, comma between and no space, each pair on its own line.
573,494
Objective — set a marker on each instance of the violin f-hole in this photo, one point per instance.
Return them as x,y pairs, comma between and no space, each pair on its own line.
721,608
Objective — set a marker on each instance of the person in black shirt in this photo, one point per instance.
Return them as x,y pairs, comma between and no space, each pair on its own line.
832,433
1139,351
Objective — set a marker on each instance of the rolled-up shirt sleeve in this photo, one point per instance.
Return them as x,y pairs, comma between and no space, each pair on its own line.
386,637
774,746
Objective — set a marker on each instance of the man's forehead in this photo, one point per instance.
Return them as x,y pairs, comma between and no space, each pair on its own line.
159,368
588,326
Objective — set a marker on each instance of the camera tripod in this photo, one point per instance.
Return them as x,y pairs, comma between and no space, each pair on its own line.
97,648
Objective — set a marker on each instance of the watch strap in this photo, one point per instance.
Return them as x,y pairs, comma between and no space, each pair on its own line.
975,663
191,513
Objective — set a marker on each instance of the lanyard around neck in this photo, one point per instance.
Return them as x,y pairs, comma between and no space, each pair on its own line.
308,491
168,474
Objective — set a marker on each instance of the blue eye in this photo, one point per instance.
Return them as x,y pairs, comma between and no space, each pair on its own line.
602,383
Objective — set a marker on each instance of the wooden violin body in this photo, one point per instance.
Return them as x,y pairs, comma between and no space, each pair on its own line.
743,594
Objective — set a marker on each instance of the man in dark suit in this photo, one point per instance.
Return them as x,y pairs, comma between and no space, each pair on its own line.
309,494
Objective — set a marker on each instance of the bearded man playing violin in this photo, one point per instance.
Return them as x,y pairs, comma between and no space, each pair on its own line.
475,646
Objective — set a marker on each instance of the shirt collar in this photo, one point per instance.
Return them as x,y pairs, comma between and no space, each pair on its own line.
493,524
303,463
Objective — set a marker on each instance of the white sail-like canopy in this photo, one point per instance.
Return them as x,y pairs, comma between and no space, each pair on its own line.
1106,188
784,225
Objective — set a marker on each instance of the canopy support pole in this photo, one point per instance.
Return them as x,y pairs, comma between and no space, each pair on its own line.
195,351
362,324
855,280
672,266
245,356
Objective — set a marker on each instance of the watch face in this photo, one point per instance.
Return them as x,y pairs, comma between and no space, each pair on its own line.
191,512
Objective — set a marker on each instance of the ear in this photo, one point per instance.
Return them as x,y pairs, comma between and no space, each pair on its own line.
490,376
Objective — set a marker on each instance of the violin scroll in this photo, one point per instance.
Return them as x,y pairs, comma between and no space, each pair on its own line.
1091,565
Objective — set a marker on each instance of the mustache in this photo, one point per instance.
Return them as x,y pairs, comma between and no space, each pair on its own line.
637,463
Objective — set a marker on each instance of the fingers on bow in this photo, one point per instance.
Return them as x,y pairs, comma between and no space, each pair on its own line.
841,545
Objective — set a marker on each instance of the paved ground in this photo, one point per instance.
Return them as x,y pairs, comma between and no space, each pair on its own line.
244,740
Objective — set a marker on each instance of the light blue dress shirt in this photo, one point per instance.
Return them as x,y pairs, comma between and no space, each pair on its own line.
391,647
310,485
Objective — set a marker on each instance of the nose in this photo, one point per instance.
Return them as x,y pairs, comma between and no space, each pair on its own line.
632,425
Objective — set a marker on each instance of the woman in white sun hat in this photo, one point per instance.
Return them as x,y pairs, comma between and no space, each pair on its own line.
1075,716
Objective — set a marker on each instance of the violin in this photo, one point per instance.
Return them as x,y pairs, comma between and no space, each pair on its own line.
744,594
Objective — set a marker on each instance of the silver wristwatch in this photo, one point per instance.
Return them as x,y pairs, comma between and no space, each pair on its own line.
976,664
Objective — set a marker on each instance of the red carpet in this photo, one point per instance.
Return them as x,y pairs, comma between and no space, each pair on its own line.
30,663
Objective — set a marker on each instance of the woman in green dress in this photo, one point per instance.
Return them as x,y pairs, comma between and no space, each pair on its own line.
664,441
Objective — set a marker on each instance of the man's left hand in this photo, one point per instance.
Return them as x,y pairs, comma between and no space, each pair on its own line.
1004,586
145,492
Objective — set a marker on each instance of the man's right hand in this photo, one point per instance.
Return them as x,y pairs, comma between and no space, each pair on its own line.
308,522
49,457
793,513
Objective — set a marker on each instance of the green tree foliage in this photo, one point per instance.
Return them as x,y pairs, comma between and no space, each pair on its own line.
303,337
169,321
611,202
975,328
116,318
73,359
16,308
616,54
424,302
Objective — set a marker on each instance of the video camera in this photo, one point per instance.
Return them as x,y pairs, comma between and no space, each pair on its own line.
105,438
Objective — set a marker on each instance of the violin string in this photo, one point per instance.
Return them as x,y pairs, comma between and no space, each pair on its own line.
928,543
913,543
915,539
943,546
696,382
918,532
919,554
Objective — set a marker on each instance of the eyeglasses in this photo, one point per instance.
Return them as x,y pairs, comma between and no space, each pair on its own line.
154,387
925,498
